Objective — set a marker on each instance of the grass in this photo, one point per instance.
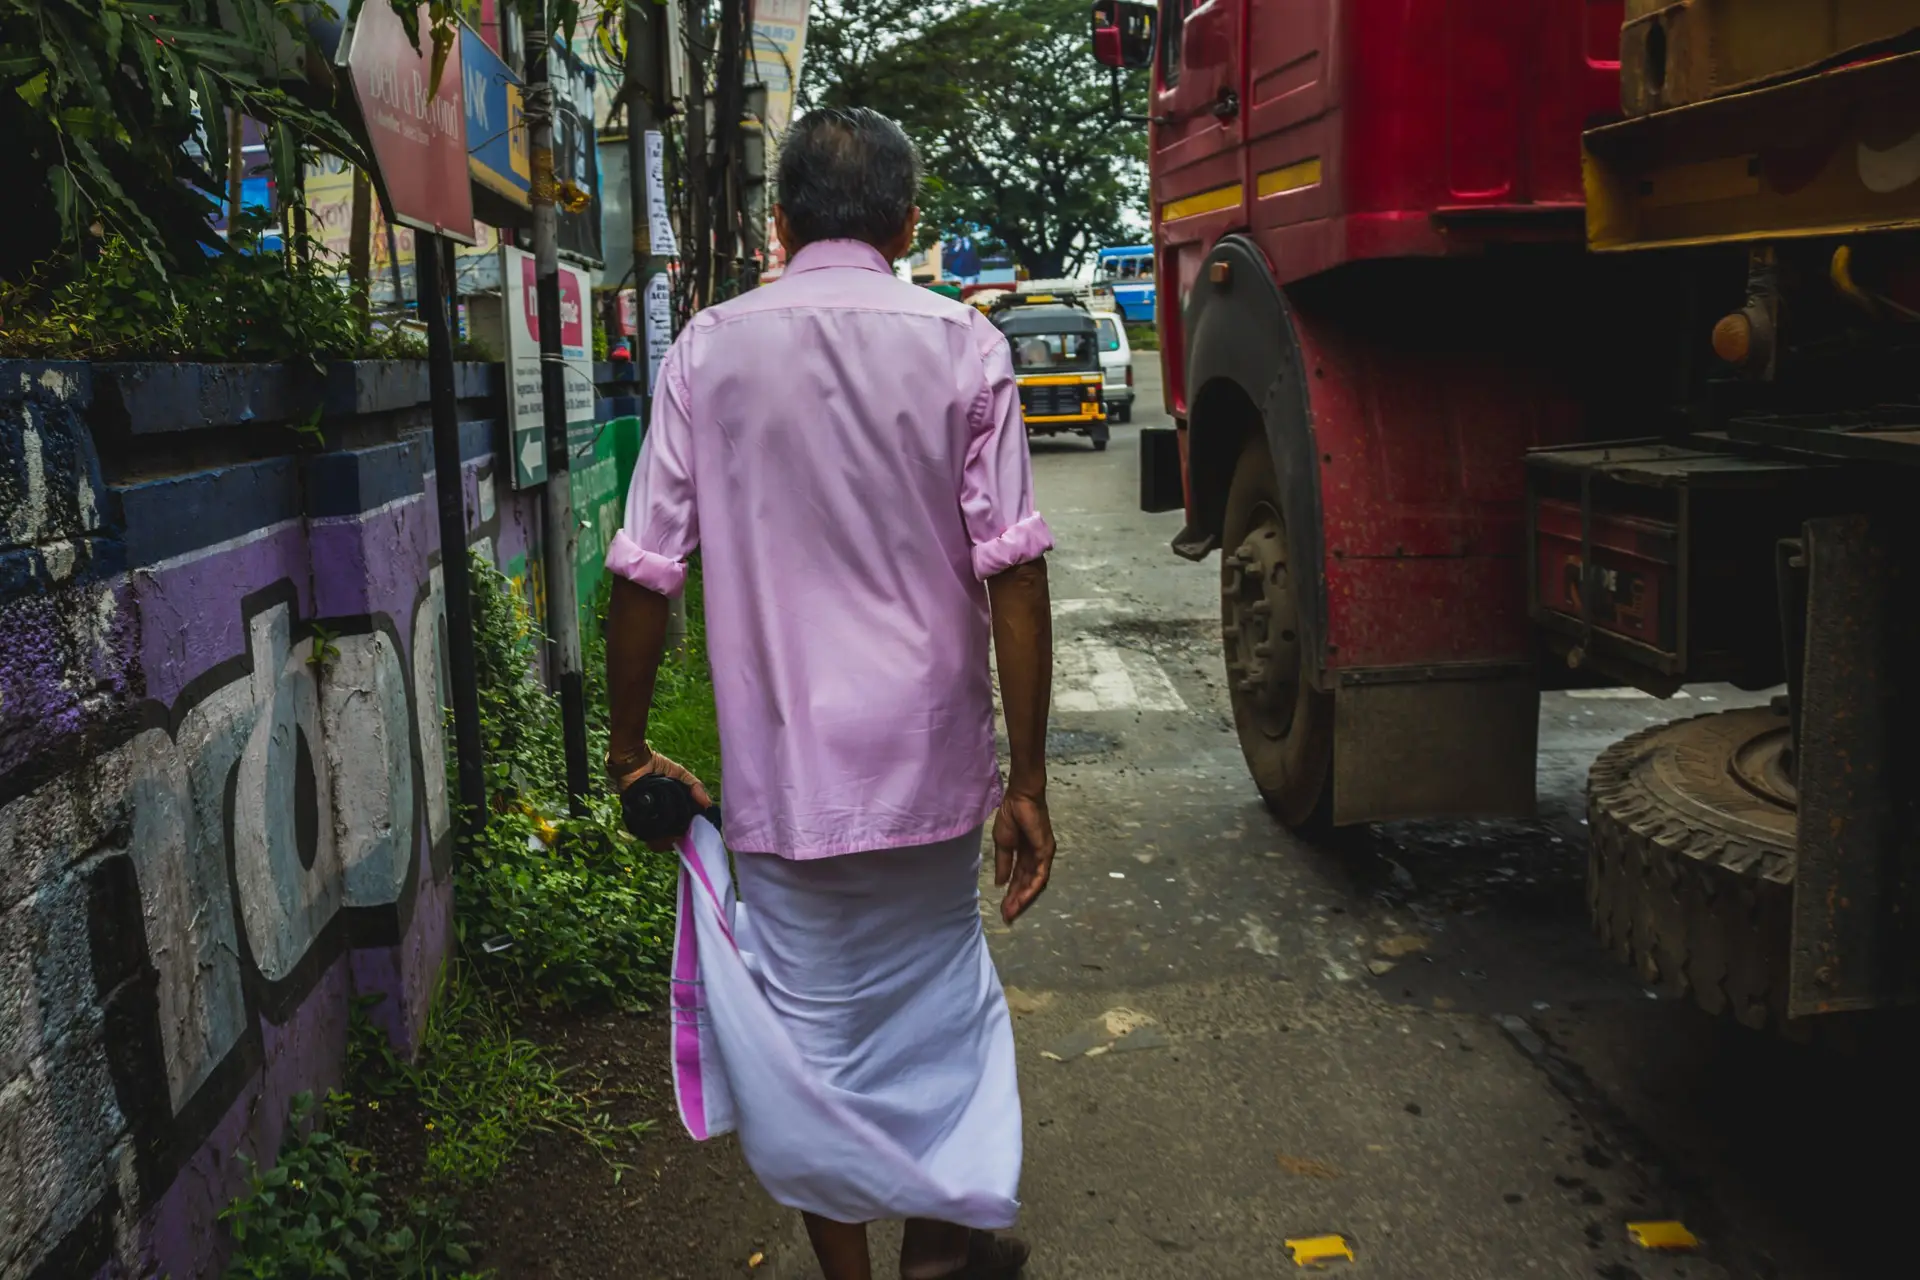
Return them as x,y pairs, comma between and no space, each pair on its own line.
1143,337
322,1211
479,1089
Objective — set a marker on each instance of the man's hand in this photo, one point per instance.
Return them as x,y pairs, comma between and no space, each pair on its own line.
661,765
1022,851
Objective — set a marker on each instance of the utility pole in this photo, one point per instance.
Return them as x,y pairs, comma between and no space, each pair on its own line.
646,90
450,496
729,93
563,606
697,257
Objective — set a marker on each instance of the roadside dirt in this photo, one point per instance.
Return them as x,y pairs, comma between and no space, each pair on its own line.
682,1211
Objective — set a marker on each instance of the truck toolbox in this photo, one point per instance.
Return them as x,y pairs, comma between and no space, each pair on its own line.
1672,54
1654,563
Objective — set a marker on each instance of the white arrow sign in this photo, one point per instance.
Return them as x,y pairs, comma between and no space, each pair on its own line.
532,453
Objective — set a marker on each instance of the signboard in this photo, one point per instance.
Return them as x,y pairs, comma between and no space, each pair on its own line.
576,153
659,220
419,139
779,42
329,199
659,308
498,155
526,418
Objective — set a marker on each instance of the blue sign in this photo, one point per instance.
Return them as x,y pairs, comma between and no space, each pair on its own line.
497,152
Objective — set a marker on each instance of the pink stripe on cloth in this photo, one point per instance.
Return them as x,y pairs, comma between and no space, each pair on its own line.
653,571
1029,539
688,1012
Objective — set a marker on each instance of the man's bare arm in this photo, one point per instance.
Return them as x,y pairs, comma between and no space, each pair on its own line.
636,641
1023,650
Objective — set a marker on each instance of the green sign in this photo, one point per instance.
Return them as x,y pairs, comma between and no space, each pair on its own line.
529,454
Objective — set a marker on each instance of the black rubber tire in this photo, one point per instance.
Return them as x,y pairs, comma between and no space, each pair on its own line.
1293,769
1126,414
1099,435
1689,872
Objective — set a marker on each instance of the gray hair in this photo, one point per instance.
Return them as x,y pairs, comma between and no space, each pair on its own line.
847,173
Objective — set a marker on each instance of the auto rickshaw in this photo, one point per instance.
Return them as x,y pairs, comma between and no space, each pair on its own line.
1056,361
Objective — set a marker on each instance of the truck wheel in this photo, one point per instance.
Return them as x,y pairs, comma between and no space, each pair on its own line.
1284,724
1099,437
1690,865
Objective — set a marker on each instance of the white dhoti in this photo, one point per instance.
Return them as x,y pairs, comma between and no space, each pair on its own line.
844,1016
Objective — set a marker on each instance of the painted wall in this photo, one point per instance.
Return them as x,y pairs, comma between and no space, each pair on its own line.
223,792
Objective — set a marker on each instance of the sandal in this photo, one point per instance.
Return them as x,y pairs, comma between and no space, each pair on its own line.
992,1257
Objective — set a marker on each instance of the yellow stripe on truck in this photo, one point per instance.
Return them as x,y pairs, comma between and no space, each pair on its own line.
1292,177
1206,202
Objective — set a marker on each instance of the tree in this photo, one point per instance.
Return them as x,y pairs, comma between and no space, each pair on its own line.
1011,113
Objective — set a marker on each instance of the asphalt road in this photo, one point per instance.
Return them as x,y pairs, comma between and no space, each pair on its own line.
1405,1037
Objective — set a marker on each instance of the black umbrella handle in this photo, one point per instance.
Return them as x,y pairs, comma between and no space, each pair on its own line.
656,807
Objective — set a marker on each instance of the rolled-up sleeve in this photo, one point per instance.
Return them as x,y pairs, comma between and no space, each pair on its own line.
996,489
662,525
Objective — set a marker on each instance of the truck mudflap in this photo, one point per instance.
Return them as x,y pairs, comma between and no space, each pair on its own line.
1450,740
1856,937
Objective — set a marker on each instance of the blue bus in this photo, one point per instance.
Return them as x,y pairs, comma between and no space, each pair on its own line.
1128,270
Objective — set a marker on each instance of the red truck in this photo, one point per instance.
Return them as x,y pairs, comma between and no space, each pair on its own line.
1460,434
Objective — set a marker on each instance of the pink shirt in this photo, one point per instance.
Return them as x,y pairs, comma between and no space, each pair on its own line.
847,452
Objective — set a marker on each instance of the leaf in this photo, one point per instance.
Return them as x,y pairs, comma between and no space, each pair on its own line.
34,90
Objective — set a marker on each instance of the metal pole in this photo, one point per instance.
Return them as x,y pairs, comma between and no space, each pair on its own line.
697,255
646,87
563,606
450,493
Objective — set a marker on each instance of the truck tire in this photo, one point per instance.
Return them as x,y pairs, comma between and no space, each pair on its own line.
1691,861
1285,725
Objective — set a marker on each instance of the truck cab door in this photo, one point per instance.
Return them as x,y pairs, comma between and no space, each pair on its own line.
1197,133
1197,96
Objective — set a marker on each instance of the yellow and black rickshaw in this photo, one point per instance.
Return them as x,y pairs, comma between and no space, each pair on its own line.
1056,361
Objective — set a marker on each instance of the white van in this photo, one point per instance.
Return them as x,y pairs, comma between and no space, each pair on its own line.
1116,366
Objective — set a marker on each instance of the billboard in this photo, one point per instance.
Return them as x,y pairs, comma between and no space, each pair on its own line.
779,43
419,139
498,155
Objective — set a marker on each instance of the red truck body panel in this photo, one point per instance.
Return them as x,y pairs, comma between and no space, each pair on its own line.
1369,129
1334,131
1422,478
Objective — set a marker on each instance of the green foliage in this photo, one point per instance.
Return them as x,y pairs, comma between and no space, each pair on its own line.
252,304
564,911
318,1212
1012,116
479,1089
325,651
115,118
1143,337
568,911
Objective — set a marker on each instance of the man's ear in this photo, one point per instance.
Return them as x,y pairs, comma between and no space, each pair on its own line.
902,244
784,229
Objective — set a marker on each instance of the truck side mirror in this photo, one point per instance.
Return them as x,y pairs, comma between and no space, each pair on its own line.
1123,35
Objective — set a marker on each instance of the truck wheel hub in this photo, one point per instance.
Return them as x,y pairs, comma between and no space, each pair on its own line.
1263,640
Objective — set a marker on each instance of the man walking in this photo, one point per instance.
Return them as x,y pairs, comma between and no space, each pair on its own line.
847,452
